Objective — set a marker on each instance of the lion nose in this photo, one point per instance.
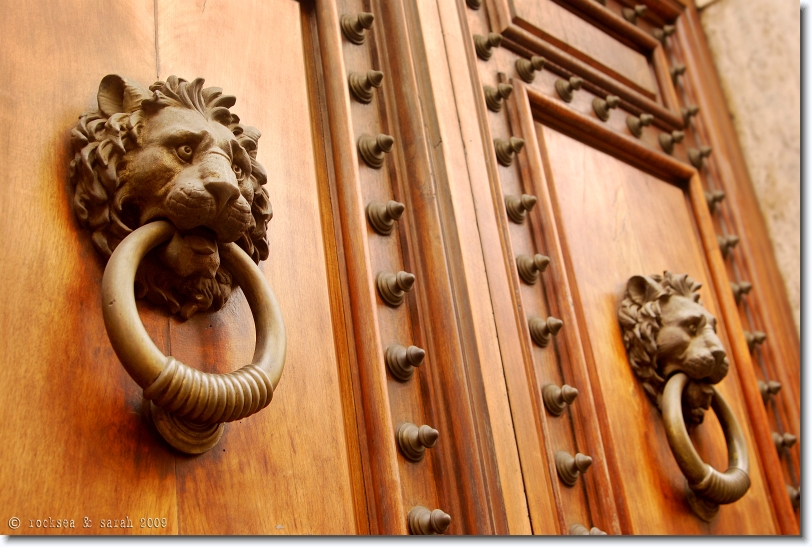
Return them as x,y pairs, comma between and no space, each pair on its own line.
719,355
223,192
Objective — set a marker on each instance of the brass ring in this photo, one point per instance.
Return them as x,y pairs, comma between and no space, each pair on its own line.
711,486
194,399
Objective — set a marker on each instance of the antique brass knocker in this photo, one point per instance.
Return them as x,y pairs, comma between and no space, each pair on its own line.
167,180
675,353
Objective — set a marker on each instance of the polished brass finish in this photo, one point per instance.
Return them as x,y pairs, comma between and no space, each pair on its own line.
355,28
603,106
754,339
361,85
727,243
423,522
530,268
382,216
668,140
794,496
570,468
696,156
688,113
505,150
566,88
784,441
393,287
484,45
631,15
402,361
190,406
557,398
413,441
710,487
542,331
662,33
740,289
494,96
636,124
768,389
527,68
581,530
474,4
714,197
676,72
373,150
518,206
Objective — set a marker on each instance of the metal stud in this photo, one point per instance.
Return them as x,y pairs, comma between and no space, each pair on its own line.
727,243
543,330
393,287
754,339
474,4
570,468
413,441
557,398
423,522
527,69
668,140
740,289
518,206
676,72
784,441
696,156
402,361
355,28
662,33
566,88
382,216
603,106
631,15
361,85
505,150
714,197
529,268
484,46
794,496
373,150
494,95
636,124
768,389
688,113
581,530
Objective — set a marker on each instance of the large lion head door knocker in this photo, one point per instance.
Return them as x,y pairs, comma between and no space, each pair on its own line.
674,351
167,181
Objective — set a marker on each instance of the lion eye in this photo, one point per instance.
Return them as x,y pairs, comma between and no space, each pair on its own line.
185,152
237,170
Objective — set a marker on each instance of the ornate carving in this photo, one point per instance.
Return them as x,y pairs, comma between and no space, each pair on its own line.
173,152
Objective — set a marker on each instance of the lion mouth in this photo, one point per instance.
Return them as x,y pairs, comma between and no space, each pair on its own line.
201,240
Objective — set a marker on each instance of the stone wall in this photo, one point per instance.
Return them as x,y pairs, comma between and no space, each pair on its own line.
756,46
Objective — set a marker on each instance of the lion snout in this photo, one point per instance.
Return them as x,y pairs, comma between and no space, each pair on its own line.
224,192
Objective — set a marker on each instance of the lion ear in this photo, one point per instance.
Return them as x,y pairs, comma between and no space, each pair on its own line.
117,94
642,289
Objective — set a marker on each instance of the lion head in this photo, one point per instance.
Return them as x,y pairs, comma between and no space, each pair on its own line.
667,330
174,152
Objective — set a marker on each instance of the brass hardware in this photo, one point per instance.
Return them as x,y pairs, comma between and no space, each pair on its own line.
189,407
361,85
402,361
382,216
570,468
602,106
688,113
631,15
717,196
636,124
530,268
518,206
413,441
557,398
566,88
755,338
794,496
494,96
484,46
709,487
474,4
727,243
505,150
581,530
668,140
393,288
663,33
768,389
784,441
374,149
542,331
740,289
676,72
697,156
355,27
527,68
423,522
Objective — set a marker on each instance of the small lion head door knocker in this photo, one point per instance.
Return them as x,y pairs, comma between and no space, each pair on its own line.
674,351
167,181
